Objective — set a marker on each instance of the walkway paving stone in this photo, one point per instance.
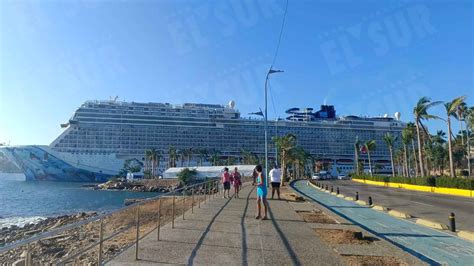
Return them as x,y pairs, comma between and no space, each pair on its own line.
225,232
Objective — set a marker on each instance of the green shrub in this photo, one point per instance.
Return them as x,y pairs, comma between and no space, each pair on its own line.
446,182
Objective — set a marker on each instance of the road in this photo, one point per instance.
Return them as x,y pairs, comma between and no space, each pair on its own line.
431,206
432,246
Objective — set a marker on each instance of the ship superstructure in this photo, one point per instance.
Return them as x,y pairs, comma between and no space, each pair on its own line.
101,135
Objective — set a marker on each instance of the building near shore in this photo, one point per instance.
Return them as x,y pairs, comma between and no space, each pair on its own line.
103,135
205,172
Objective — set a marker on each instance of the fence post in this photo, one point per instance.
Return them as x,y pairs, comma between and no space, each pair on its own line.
199,199
159,220
138,232
192,198
28,258
101,238
172,213
184,199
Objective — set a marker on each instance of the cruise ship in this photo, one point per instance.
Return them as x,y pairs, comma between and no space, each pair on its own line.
101,135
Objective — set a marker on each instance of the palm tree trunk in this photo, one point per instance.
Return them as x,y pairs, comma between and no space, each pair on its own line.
391,160
370,163
414,158
356,159
462,135
450,150
420,151
468,142
405,155
283,168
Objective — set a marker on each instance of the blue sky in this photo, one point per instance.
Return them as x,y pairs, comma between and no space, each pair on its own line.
365,57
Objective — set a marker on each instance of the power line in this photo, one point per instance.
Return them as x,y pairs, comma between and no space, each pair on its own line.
281,33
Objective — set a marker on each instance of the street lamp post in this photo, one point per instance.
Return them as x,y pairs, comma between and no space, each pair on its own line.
270,71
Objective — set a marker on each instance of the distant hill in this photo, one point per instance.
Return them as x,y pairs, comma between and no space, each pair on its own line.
6,166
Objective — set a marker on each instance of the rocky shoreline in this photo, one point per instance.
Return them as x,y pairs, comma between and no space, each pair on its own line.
14,233
147,185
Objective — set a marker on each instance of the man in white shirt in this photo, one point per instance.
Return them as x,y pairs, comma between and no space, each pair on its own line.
275,179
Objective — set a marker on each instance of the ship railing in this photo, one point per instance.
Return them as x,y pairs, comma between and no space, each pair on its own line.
99,239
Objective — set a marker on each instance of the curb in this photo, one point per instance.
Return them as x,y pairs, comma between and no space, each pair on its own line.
468,235
349,198
399,214
379,208
361,202
432,224
340,196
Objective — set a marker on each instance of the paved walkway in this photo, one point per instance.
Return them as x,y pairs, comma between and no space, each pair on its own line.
225,232
432,246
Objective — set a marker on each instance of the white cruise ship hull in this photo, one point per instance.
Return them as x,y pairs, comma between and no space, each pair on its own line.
43,163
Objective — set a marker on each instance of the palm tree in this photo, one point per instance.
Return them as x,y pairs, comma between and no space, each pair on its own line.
390,141
369,146
298,156
460,116
421,113
451,108
172,156
412,128
186,153
407,137
356,155
469,119
148,156
203,153
215,157
284,144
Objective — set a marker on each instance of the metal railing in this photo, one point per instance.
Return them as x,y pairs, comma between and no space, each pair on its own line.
105,236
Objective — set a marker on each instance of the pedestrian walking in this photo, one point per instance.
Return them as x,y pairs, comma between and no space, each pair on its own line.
261,183
275,179
226,182
237,181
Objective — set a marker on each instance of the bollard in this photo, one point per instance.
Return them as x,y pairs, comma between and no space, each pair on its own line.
159,220
452,222
327,187
184,199
337,190
370,200
205,192
101,239
137,233
332,189
172,213
192,198
357,195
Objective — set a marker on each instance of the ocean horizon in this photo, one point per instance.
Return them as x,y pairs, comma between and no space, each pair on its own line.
26,202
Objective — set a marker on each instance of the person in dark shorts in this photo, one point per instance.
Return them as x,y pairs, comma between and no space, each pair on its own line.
275,179
226,182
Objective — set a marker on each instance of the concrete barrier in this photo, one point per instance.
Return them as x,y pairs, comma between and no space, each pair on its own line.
379,208
399,214
432,224
361,202
349,198
468,235
340,196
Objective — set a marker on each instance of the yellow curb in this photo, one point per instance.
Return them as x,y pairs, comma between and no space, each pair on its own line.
349,198
438,190
333,193
361,202
432,224
466,235
340,196
327,191
379,208
399,214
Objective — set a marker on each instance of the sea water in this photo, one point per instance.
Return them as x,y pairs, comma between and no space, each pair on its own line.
23,202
